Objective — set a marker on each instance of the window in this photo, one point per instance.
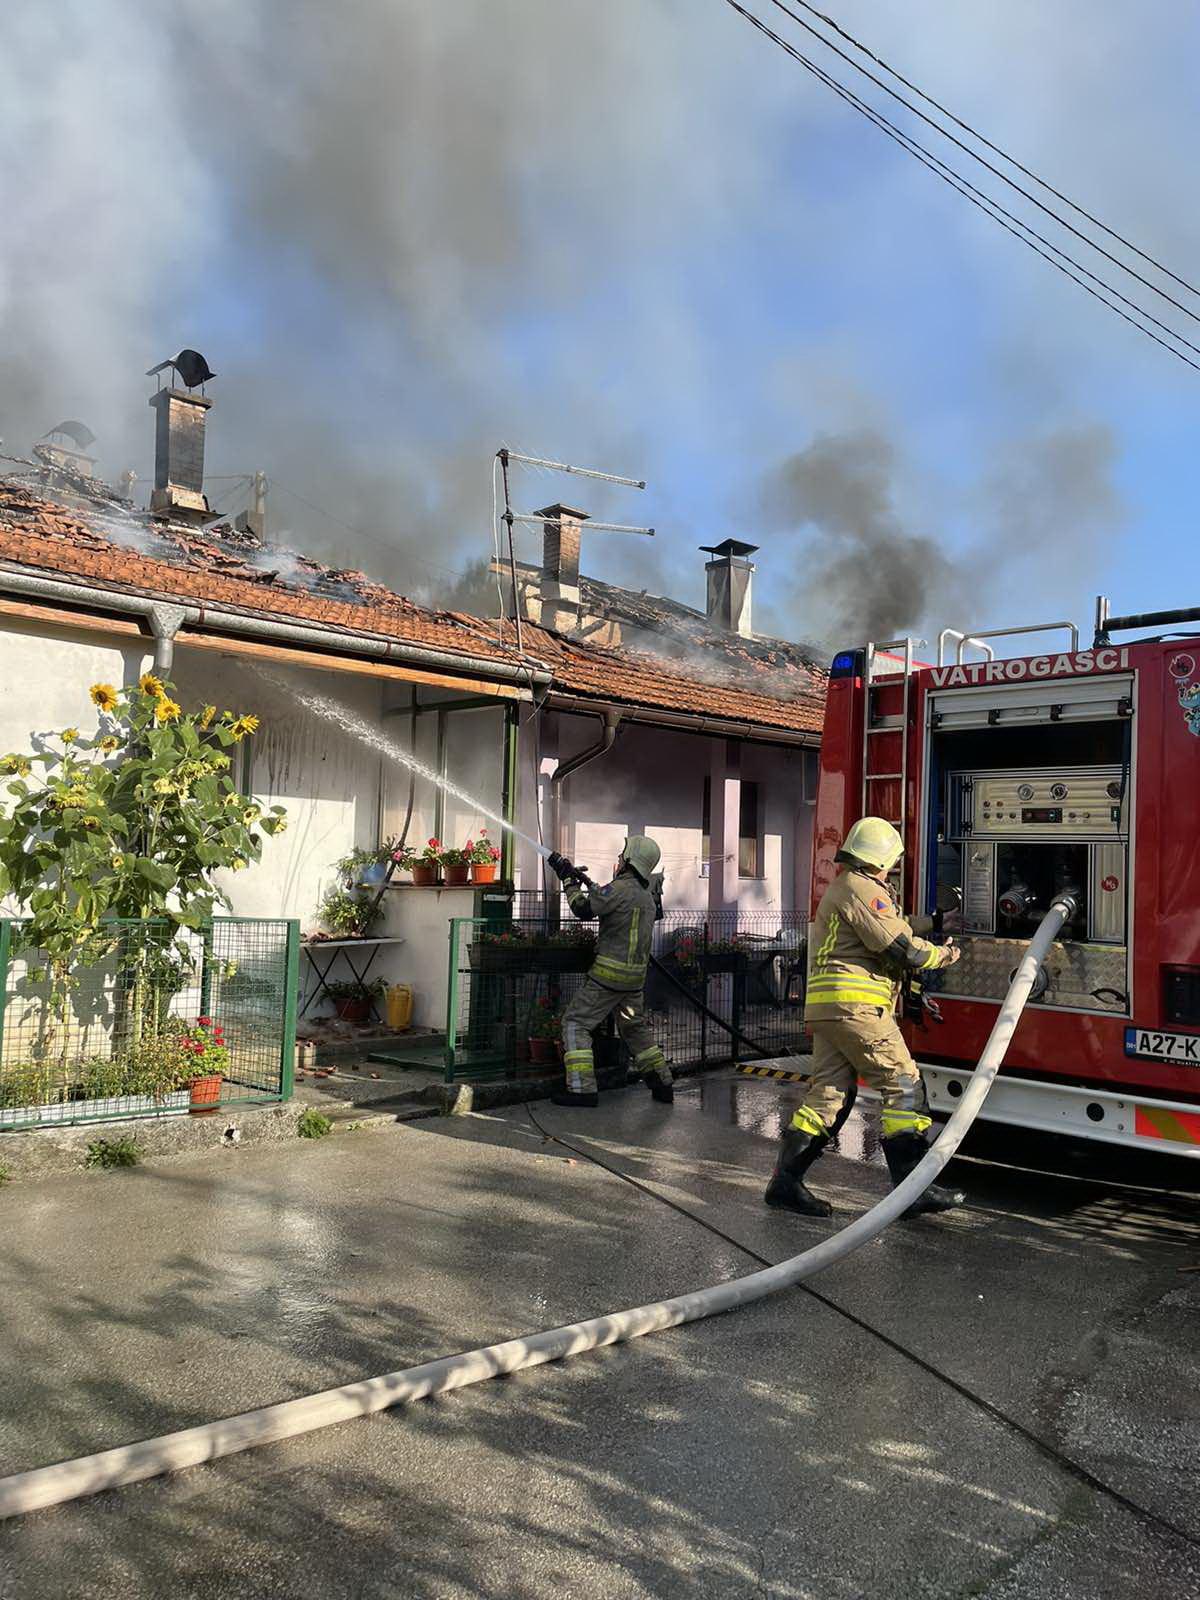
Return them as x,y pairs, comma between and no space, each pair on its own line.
748,846
748,832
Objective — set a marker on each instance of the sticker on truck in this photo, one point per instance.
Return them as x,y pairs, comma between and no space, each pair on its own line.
1183,1048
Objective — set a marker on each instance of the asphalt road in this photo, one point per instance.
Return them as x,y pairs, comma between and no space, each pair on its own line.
798,1448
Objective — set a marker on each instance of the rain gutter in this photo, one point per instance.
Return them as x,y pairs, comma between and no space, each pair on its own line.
165,618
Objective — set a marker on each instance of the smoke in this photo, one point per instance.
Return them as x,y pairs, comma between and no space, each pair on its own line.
1046,514
865,575
392,227
406,232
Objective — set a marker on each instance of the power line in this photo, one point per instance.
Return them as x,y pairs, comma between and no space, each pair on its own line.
1019,229
975,156
1082,211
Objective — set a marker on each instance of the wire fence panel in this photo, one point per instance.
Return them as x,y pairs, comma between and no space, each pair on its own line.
147,1020
722,975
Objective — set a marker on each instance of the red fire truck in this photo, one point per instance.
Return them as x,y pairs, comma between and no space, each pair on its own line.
1012,779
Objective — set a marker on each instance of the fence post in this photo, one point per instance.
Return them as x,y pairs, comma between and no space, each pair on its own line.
206,938
291,984
5,952
452,1000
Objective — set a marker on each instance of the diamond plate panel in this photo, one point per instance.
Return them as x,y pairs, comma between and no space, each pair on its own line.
1075,972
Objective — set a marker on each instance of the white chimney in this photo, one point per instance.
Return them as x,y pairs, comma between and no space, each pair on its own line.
562,530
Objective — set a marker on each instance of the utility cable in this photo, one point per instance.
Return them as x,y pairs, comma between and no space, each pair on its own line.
1067,1463
988,144
977,197
975,156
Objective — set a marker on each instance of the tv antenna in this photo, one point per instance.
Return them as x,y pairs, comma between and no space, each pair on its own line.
506,457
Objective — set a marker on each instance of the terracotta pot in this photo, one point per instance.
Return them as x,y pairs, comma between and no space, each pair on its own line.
483,872
425,874
205,1094
542,1052
458,874
353,1009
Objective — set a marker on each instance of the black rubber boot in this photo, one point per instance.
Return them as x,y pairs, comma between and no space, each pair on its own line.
568,1097
787,1189
904,1152
664,1093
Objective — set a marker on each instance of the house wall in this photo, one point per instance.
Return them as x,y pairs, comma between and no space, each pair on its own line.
652,781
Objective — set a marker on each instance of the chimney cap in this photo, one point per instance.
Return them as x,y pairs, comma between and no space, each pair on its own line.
190,365
558,511
729,548
79,432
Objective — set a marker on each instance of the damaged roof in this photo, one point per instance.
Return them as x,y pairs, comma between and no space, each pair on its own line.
99,539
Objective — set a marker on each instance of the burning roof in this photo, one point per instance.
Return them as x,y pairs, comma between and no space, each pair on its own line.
91,535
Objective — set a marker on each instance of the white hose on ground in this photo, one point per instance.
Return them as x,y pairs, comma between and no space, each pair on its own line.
108,1469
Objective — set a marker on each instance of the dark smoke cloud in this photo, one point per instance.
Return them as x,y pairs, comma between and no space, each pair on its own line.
1047,513
865,576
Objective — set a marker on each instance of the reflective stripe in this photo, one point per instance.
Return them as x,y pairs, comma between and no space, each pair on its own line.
849,990
808,1121
633,935
931,960
576,1058
903,1121
647,1055
830,939
629,973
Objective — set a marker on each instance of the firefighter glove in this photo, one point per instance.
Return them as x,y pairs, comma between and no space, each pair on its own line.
567,870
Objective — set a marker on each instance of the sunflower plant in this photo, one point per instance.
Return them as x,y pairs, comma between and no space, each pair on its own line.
132,822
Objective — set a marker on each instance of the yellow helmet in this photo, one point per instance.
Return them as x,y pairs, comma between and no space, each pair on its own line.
874,842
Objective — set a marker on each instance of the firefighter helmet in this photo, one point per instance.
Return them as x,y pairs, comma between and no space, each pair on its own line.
874,842
641,855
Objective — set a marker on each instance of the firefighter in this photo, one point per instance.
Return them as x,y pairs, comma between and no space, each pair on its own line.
860,950
626,910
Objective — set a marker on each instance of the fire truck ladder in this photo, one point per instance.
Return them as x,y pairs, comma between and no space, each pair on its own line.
897,652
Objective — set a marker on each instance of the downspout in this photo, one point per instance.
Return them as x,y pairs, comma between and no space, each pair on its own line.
235,624
565,768
165,623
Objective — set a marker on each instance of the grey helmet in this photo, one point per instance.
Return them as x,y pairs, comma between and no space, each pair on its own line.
641,855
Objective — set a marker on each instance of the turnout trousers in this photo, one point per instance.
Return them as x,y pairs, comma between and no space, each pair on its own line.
592,1004
870,1046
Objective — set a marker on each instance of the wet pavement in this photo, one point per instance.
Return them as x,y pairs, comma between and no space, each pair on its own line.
802,1447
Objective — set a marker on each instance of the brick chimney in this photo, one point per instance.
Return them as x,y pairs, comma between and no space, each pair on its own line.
730,576
562,533
179,454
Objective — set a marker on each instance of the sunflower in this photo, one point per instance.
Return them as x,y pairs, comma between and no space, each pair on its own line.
206,716
163,786
20,765
104,696
238,864
69,735
243,725
108,744
151,685
166,710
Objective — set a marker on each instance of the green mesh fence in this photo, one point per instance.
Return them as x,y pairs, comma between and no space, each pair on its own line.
510,981
114,1035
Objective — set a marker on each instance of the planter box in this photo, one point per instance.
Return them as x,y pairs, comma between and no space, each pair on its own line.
529,957
126,1105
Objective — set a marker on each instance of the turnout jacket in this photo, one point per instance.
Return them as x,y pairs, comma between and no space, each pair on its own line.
626,910
860,948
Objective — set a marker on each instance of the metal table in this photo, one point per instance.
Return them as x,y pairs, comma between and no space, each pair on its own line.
342,947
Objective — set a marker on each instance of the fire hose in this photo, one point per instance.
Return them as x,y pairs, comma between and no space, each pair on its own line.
190,1447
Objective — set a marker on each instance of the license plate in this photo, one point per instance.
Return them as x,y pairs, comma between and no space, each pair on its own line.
1181,1047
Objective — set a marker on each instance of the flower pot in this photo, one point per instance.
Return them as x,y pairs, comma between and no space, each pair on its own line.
542,1052
355,1008
458,874
371,877
560,1052
426,874
520,1049
483,872
204,1094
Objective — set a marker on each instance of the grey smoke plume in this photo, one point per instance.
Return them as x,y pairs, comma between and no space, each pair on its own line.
1047,513
865,576
396,194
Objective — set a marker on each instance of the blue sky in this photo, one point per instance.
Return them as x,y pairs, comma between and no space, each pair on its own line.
636,236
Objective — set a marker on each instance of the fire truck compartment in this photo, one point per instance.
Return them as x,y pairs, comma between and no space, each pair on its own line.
1021,807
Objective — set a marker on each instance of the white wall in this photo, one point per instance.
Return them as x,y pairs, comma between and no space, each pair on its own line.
652,781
